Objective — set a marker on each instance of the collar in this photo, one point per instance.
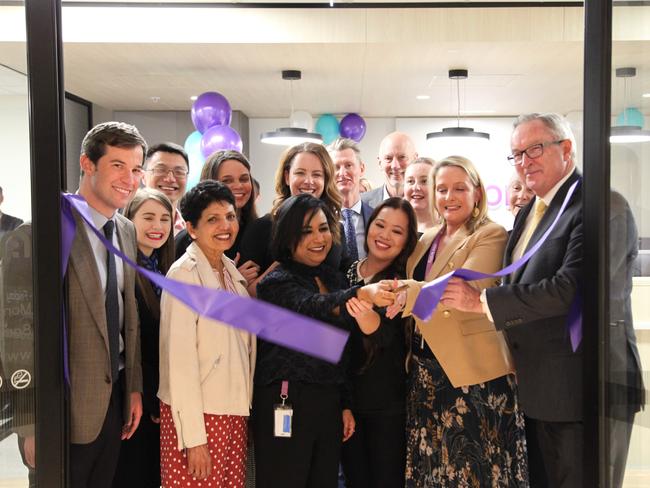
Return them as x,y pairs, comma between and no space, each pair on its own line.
385,194
98,219
548,198
356,208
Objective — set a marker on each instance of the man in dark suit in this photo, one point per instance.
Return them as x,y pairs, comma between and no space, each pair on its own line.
7,222
396,151
103,331
533,304
349,167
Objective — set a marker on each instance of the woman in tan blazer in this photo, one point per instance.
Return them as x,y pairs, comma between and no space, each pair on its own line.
464,427
206,367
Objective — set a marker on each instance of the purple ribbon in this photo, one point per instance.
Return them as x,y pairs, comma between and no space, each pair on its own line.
268,322
431,293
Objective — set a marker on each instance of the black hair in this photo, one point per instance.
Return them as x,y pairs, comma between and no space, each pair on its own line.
168,147
201,196
288,223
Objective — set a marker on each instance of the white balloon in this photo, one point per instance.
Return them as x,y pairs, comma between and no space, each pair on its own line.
302,119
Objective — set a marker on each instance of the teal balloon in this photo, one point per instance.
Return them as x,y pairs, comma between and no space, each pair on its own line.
193,149
328,127
630,116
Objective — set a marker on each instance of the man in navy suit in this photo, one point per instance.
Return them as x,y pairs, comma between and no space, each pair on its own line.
532,306
349,169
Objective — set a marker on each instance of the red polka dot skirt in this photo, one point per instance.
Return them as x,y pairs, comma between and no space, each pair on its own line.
227,439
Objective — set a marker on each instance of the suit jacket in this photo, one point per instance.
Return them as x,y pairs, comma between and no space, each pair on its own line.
9,222
533,305
373,197
205,366
467,345
89,356
366,212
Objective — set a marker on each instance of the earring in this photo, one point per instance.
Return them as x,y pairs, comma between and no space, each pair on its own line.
475,212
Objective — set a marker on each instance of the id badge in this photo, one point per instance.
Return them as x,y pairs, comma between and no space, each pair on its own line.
282,420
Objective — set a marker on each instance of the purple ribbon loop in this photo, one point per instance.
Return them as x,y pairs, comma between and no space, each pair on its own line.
268,322
431,293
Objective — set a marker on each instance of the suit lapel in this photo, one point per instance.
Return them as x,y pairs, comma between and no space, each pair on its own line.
443,257
366,212
82,259
127,247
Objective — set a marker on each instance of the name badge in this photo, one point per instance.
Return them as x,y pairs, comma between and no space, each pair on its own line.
282,424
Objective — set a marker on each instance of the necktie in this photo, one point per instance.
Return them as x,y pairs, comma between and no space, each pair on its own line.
112,306
350,234
540,208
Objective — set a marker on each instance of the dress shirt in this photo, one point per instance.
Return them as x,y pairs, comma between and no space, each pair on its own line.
359,228
518,250
386,195
101,258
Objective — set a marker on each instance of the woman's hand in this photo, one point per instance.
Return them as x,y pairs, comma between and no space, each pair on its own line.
252,286
199,463
367,319
348,424
249,270
400,299
377,293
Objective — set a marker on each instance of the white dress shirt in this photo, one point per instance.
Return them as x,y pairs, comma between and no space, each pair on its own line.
359,228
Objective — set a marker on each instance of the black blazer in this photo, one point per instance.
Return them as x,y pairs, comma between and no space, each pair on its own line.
532,308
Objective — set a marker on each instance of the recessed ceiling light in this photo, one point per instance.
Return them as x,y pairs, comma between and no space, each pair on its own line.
194,97
422,97
646,95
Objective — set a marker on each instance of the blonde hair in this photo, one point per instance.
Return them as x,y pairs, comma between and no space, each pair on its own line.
474,221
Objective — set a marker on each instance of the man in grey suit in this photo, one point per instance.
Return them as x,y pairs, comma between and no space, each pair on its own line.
103,331
396,151
7,222
533,304
349,168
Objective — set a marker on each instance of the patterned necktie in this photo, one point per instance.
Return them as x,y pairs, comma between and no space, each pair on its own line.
350,234
540,208
112,306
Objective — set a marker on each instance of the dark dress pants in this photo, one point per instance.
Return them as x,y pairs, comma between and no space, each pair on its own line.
139,462
93,465
310,457
554,453
375,455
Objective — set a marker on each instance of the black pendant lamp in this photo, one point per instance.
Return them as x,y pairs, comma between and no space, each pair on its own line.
458,131
290,136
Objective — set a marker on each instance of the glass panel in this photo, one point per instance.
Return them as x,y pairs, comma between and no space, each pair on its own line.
629,323
16,322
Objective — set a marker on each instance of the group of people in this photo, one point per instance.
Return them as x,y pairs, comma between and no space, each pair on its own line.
484,392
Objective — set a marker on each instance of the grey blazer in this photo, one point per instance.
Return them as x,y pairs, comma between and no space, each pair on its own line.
89,357
373,197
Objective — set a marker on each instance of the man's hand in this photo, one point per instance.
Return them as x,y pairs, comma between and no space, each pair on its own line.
461,296
348,424
199,463
135,413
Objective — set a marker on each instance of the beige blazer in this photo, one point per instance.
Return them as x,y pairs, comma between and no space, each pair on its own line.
89,355
468,347
205,366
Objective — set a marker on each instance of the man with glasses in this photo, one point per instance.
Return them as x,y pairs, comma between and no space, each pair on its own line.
396,151
102,318
532,306
166,168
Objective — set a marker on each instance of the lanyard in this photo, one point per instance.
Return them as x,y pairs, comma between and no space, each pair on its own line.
432,253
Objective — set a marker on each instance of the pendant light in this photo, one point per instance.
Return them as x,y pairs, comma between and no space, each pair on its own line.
290,136
458,131
629,131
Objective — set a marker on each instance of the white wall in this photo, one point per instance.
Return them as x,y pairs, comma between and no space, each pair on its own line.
15,159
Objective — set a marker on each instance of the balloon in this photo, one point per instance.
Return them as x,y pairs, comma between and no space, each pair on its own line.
220,137
630,116
210,109
193,149
353,127
328,127
302,119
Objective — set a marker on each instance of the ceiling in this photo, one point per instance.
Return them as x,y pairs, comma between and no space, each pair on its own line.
373,61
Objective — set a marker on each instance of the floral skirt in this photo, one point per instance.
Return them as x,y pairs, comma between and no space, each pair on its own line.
227,439
463,437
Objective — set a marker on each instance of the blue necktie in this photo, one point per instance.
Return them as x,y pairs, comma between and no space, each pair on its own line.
112,306
350,234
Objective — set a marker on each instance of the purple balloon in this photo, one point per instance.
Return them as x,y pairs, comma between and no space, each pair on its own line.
353,127
210,109
218,138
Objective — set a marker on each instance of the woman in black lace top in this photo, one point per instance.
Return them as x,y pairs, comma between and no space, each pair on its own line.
375,455
303,234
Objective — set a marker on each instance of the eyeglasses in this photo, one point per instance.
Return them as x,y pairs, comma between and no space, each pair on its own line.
164,171
531,152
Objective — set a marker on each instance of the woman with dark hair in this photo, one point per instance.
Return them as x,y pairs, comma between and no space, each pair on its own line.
206,366
374,456
151,212
304,452
305,168
233,170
